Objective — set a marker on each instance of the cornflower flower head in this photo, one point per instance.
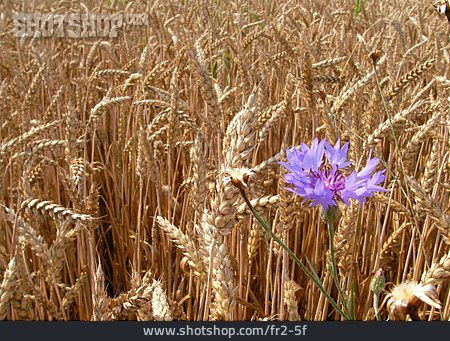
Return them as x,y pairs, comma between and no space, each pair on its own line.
320,174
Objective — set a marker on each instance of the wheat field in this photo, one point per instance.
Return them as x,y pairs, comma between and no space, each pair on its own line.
116,156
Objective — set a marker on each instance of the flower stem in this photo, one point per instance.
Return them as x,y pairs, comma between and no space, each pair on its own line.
376,286
293,256
375,306
333,266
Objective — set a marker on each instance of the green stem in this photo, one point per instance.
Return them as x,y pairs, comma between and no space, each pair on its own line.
375,306
333,266
293,256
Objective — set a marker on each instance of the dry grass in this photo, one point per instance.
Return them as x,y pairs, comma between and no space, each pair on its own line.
115,156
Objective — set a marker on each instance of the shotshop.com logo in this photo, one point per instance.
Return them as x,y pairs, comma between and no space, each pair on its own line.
74,25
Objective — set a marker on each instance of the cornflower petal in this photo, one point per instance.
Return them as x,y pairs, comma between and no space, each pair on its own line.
375,180
370,166
337,156
320,195
312,159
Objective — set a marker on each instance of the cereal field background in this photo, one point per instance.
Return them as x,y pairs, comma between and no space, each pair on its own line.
115,155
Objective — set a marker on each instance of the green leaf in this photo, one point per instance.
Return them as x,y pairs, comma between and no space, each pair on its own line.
215,70
358,6
351,301
252,14
228,60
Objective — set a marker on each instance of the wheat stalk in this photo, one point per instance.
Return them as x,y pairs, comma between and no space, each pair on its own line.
438,272
185,244
6,287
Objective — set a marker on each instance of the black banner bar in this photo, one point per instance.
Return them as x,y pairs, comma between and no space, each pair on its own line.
83,331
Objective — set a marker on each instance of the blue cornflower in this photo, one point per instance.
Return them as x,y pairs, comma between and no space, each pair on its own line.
320,174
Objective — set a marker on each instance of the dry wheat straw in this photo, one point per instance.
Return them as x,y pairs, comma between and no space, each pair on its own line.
6,287
410,77
266,202
24,138
413,146
55,211
426,204
160,305
438,272
345,95
29,236
185,244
